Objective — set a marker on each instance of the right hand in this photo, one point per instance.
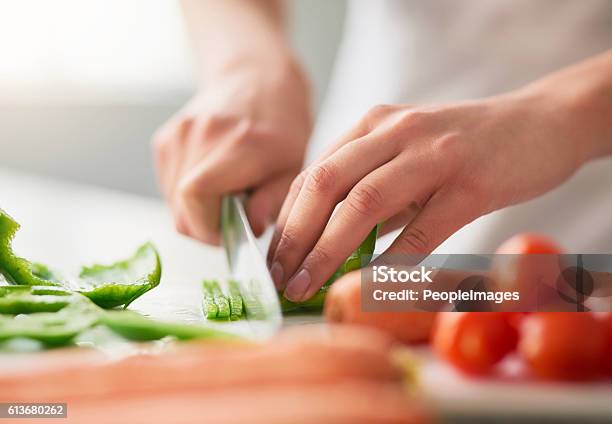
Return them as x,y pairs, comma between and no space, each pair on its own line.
246,131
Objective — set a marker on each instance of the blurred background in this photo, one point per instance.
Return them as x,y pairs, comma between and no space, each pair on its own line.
83,85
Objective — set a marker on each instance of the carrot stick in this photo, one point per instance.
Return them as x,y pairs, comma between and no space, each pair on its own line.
309,355
343,403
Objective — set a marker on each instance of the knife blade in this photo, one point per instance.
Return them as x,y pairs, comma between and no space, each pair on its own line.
248,268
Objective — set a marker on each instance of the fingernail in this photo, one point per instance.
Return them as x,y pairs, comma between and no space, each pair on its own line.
297,286
277,274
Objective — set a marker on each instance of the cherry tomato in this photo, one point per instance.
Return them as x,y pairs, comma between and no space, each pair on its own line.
474,342
563,346
528,244
530,265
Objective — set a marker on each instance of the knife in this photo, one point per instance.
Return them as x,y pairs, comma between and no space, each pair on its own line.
249,270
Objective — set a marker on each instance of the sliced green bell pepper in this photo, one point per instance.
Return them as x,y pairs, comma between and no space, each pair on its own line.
17,270
213,290
123,282
51,328
134,326
235,300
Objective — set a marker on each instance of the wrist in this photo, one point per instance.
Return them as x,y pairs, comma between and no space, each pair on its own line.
274,64
579,99
572,119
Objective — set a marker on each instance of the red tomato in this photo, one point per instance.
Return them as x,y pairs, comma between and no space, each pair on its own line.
528,264
529,243
607,321
474,342
563,346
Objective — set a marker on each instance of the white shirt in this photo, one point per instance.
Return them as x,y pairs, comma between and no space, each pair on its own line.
416,52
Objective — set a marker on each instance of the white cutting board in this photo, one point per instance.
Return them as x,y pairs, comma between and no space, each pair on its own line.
67,225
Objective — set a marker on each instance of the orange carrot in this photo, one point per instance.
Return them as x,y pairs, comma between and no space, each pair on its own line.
308,355
343,403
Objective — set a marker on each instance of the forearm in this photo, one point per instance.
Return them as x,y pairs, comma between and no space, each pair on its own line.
229,34
582,96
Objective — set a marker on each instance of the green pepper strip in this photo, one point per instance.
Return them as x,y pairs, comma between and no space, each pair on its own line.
210,307
223,307
52,328
16,270
134,326
235,300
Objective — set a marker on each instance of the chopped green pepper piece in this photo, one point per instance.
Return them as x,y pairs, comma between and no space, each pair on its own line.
121,283
27,303
51,328
353,262
28,299
235,300
212,288
134,326
17,270
314,304
44,272
210,307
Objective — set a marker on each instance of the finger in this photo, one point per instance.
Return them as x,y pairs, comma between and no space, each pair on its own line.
442,216
294,190
372,200
200,192
264,203
200,217
399,220
366,124
168,152
359,130
325,185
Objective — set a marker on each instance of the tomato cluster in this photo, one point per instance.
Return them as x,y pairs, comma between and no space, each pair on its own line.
573,346
554,346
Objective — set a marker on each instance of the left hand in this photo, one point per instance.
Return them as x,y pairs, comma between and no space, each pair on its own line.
451,164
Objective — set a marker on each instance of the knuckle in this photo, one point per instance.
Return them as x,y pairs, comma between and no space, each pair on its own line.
380,109
212,124
161,141
450,148
186,189
298,183
320,255
181,226
321,179
414,239
366,199
376,113
286,242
